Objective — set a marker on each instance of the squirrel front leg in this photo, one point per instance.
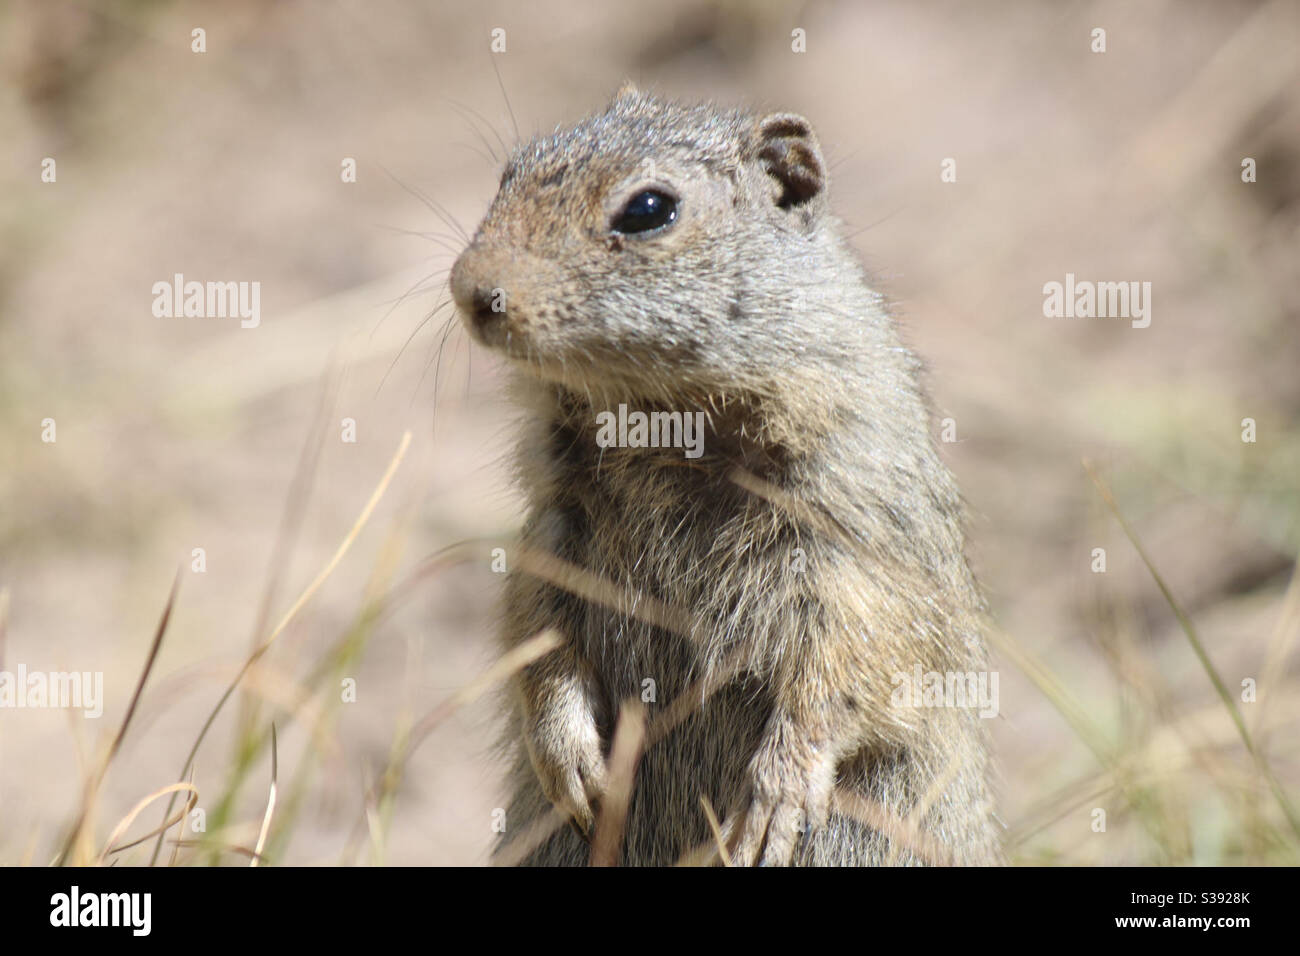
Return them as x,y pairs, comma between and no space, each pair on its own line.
557,701
825,710
791,778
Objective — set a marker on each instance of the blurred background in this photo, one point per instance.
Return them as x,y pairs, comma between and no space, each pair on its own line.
176,434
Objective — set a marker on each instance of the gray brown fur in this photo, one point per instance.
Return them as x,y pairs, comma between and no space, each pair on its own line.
753,309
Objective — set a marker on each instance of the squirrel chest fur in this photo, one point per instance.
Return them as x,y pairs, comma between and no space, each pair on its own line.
682,261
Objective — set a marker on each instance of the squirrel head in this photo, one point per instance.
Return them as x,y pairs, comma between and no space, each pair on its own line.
657,250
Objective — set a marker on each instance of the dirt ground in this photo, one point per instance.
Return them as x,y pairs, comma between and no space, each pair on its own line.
176,434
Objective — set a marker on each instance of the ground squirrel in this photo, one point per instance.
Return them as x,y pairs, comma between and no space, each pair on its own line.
681,259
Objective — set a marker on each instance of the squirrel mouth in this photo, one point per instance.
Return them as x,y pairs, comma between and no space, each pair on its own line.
498,335
488,326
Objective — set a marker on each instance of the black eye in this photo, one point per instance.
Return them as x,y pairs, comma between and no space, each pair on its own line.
645,212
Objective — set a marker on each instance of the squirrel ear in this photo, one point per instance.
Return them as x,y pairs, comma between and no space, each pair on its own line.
788,152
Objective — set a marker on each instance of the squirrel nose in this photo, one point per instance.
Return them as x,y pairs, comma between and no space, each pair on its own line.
476,289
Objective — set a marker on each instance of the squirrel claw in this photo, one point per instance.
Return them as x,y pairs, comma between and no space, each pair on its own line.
583,832
790,792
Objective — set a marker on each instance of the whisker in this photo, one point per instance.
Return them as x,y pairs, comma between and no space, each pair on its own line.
452,244
469,114
414,289
414,332
490,160
435,207
436,361
510,109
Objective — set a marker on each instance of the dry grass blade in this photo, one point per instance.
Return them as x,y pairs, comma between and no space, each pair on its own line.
1064,702
451,556
1184,621
295,699
912,823
876,816
345,545
176,848
1279,648
374,825
625,754
1057,806
537,833
270,801
292,515
795,507
693,698
78,836
1293,818
706,853
298,605
508,664
223,848
125,823
167,824
593,587
716,827
516,659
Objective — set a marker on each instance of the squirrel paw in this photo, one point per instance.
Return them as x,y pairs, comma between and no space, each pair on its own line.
791,780
565,749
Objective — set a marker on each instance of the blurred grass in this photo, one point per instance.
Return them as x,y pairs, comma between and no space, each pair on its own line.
1185,789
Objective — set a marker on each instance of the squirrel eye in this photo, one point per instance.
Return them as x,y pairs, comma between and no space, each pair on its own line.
645,212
